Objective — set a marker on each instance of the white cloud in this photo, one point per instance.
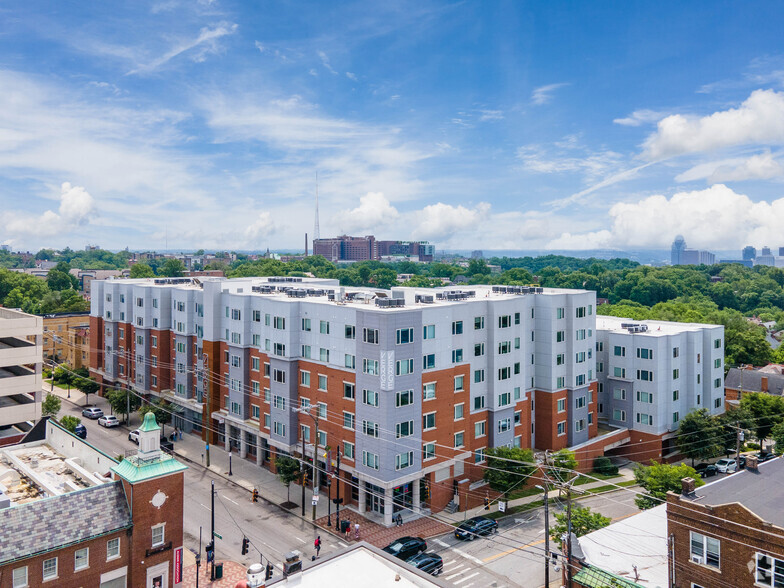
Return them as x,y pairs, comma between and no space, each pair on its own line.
639,118
758,120
543,94
261,228
487,115
76,209
763,166
325,62
374,212
443,221
206,43
713,218
260,47
539,159
351,76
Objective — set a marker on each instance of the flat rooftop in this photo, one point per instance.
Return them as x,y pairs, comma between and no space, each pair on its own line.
33,471
654,328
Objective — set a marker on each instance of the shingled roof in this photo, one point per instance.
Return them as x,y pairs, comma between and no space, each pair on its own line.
53,523
752,381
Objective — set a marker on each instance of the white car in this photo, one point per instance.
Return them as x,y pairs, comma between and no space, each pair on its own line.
109,420
134,436
726,466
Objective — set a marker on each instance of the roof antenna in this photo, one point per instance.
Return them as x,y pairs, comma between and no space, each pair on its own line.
316,232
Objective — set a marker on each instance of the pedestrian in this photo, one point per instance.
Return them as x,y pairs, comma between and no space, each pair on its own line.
348,529
400,519
356,531
317,545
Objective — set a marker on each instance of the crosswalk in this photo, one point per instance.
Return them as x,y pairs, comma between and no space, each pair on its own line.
459,566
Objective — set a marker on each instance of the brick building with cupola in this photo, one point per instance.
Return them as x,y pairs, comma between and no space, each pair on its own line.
71,515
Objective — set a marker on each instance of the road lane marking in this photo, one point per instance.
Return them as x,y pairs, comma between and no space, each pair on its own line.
204,505
503,553
277,565
342,544
230,500
454,575
467,556
466,578
441,543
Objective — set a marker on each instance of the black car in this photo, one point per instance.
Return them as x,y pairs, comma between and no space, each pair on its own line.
472,528
81,431
764,456
406,547
706,470
427,562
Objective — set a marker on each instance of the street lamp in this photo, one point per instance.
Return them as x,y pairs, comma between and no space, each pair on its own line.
306,410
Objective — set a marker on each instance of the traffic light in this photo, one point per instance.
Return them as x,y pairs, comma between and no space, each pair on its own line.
245,543
255,495
210,551
268,572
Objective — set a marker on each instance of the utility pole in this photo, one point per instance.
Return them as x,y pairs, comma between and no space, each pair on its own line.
212,535
546,537
315,466
302,468
337,503
198,559
569,536
738,441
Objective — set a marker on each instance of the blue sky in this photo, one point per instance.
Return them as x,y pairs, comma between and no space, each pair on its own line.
492,125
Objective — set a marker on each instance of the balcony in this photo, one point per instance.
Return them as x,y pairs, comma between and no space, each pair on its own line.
14,351
18,409
18,380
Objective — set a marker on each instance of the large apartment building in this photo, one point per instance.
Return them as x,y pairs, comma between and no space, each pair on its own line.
411,385
21,340
653,373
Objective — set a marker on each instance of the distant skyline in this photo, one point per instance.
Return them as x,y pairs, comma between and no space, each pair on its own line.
475,125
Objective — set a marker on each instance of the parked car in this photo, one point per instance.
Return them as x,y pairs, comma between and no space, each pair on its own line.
108,420
427,562
476,526
706,470
134,436
765,456
92,412
726,466
81,431
406,547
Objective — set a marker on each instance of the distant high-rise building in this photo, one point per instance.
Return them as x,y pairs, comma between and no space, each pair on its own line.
347,248
765,257
477,254
766,251
749,253
678,247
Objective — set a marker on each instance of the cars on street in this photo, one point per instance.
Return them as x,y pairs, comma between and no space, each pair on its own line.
475,527
765,456
706,470
92,412
108,420
726,466
134,436
428,562
406,547
80,431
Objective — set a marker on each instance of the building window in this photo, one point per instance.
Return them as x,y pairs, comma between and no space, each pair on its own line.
480,429
619,415
404,398
428,421
279,402
561,382
479,322
580,334
279,429
619,351
348,450
50,569
370,428
306,351
717,343
428,451
458,411
457,355
560,336
619,372
429,332
370,397
770,571
405,336
350,332
579,402
404,429
348,420
324,327
579,380
305,433
348,390
81,559
279,376
370,460
459,383
267,420
370,366
20,578
579,425
459,439
457,327
705,550
404,460
370,336
644,353
157,535
304,378
429,361
279,349
717,383
675,417
479,403
350,361
504,425
324,355
504,321
254,412
504,347
404,367
479,350
645,375
479,376
306,324
322,382
504,399
562,428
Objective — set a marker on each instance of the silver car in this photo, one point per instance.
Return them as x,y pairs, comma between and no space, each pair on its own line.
726,466
92,412
108,420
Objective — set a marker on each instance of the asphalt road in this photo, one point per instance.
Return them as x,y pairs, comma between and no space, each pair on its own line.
512,557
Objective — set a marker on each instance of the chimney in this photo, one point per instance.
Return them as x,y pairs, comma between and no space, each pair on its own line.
752,461
764,384
688,485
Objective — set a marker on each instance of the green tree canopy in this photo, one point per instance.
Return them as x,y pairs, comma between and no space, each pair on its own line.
172,268
508,467
766,412
121,400
141,270
699,436
584,521
563,464
69,422
51,405
658,479
777,434
288,471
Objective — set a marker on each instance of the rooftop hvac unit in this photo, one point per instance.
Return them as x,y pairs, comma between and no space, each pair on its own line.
424,299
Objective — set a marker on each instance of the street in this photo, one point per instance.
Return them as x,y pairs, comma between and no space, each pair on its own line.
512,557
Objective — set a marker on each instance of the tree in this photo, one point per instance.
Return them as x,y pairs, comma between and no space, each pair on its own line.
583,522
122,400
777,434
51,405
563,464
288,471
141,270
766,411
172,268
603,465
58,280
508,467
69,422
658,479
699,436
87,386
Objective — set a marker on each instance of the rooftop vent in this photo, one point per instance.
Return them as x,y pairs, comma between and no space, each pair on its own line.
390,302
424,298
